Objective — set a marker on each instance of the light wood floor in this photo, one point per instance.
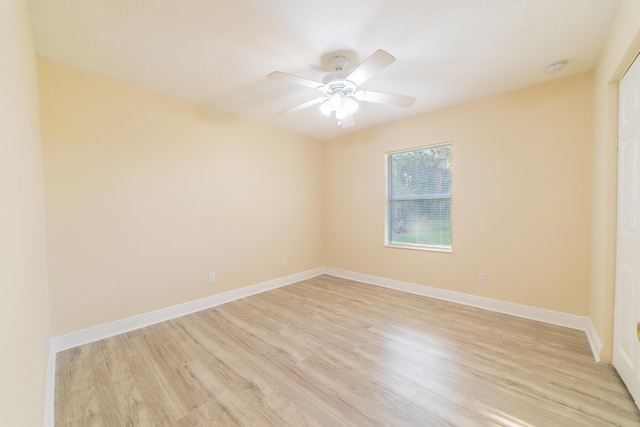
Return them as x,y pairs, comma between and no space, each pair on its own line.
332,352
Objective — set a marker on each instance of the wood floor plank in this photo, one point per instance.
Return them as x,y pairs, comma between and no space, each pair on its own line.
63,406
333,352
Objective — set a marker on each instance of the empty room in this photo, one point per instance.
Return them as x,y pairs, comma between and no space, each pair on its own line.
297,213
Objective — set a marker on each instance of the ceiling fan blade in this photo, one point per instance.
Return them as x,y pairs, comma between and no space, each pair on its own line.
304,105
379,60
385,98
279,75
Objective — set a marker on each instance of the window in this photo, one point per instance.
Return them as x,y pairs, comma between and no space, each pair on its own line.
419,198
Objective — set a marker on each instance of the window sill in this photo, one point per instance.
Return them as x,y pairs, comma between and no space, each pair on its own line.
442,249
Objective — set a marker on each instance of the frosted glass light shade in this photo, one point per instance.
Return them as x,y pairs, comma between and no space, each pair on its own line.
349,105
326,108
343,106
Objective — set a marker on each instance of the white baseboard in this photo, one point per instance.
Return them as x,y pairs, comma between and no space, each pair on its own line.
572,321
594,340
96,333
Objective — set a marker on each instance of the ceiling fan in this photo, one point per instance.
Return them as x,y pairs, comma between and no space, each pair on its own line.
340,93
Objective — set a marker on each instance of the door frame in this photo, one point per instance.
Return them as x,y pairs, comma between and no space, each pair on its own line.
627,363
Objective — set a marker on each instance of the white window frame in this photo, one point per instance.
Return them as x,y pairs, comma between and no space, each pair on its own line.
387,205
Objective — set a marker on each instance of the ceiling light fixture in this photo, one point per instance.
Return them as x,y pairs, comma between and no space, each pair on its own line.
339,90
556,66
342,104
340,94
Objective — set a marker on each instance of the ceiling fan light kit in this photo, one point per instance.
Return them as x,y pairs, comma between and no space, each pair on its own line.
340,92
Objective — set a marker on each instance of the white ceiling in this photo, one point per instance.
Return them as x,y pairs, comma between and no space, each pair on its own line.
217,53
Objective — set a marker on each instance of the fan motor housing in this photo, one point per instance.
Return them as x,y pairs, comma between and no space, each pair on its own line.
335,83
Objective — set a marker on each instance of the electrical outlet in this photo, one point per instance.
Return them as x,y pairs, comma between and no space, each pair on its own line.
482,277
212,277
284,262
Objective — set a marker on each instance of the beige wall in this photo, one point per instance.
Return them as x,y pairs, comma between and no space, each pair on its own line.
521,197
24,309
146,194
622,46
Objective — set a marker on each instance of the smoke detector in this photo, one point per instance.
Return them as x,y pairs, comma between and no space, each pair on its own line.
556,66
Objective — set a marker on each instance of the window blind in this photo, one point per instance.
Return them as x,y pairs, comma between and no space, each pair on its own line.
419,197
